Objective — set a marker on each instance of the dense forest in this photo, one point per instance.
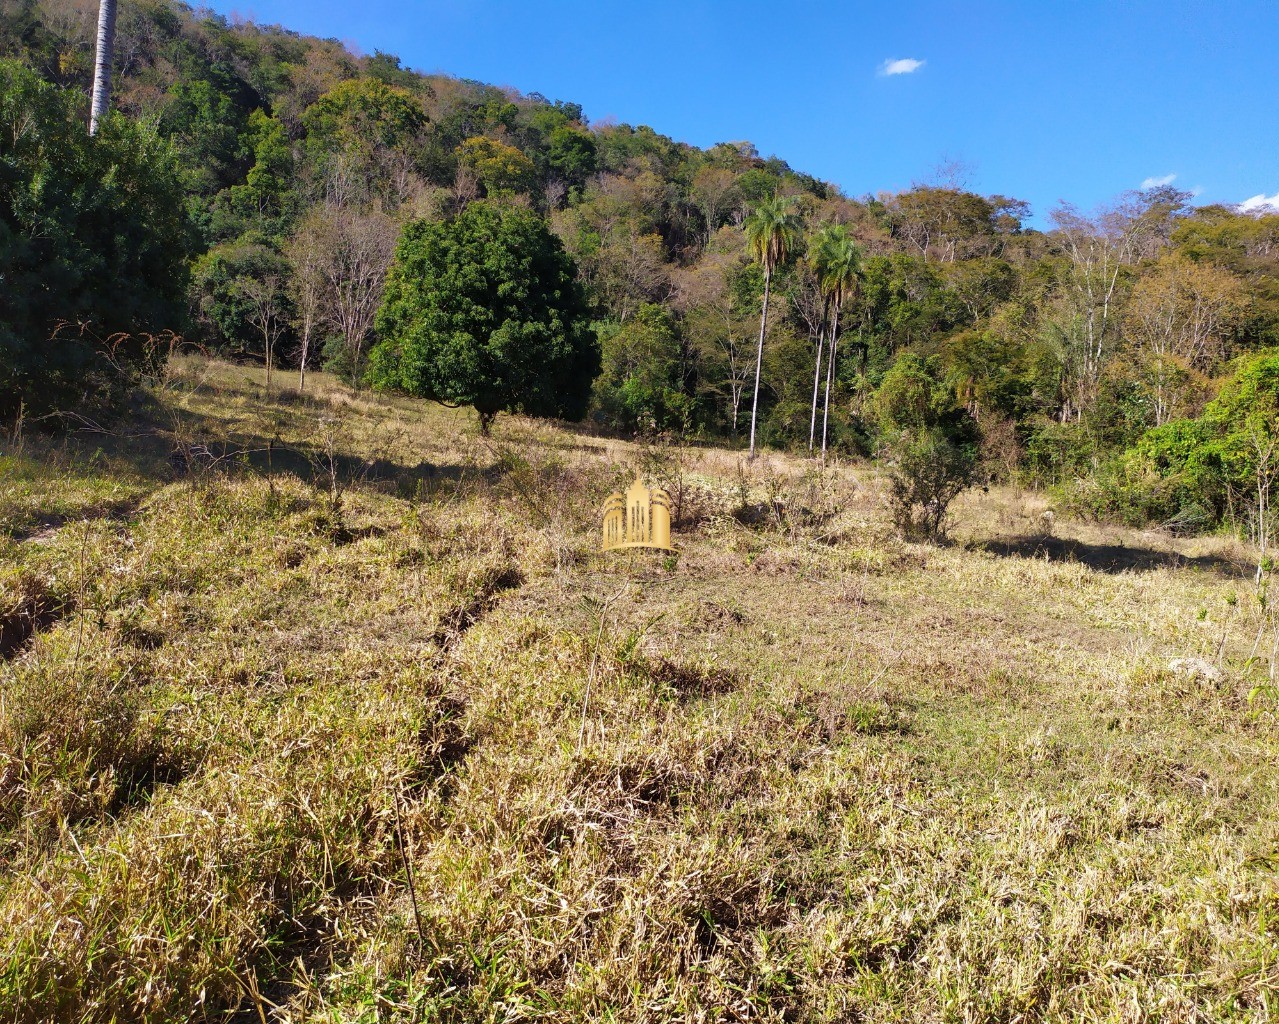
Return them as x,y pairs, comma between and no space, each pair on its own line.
250,192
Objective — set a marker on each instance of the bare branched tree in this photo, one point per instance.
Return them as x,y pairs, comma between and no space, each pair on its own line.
1098,248
719,327
305,252
359,251
1178,317
265,299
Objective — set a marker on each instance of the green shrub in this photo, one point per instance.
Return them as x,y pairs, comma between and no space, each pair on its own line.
929,469
1125,491
930,444
638,389
1193,474
1057,452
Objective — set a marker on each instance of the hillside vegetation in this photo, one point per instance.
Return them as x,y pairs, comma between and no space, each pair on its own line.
327,708
319,701
281,171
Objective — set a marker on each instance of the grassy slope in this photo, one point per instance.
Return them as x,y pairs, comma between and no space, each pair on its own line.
804,771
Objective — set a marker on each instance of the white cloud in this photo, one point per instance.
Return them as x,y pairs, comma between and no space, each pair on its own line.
1261,204
900,66
1167,179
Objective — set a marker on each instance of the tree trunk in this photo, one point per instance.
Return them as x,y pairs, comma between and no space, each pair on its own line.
759,355
306,351
102,64
830,370
817,377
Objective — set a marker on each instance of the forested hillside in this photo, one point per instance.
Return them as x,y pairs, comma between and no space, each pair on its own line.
320,702
296,164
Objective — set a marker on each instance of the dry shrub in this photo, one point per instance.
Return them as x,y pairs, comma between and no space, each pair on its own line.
1001,450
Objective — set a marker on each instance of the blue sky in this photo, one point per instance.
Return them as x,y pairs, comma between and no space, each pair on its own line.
1044,100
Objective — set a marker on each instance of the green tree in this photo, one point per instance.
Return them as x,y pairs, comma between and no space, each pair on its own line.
266,188
93,244
929,443
987,371
570,155
388,69
639,386
208,127
485,310
907,302
502,169
228,282
772,229
980,284
361,121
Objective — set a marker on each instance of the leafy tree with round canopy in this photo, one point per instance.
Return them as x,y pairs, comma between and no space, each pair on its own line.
502,168
485,310
205,123
571,154
363,116
772,228
218,294
266,185
639,387
990,373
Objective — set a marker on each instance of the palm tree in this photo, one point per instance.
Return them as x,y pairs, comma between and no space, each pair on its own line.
839,276
819,257
771,231
102,64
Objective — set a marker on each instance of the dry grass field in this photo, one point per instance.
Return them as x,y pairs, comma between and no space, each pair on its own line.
328,709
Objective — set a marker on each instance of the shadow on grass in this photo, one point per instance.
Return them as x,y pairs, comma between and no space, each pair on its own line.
161,448
263,456
1112,558
42,524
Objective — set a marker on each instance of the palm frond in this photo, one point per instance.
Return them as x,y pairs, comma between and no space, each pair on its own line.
835,259
772,230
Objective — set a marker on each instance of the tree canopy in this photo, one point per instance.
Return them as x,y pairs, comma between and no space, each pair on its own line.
93,243
485,310
291,164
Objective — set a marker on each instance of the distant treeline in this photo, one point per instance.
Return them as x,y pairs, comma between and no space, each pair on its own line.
293,165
